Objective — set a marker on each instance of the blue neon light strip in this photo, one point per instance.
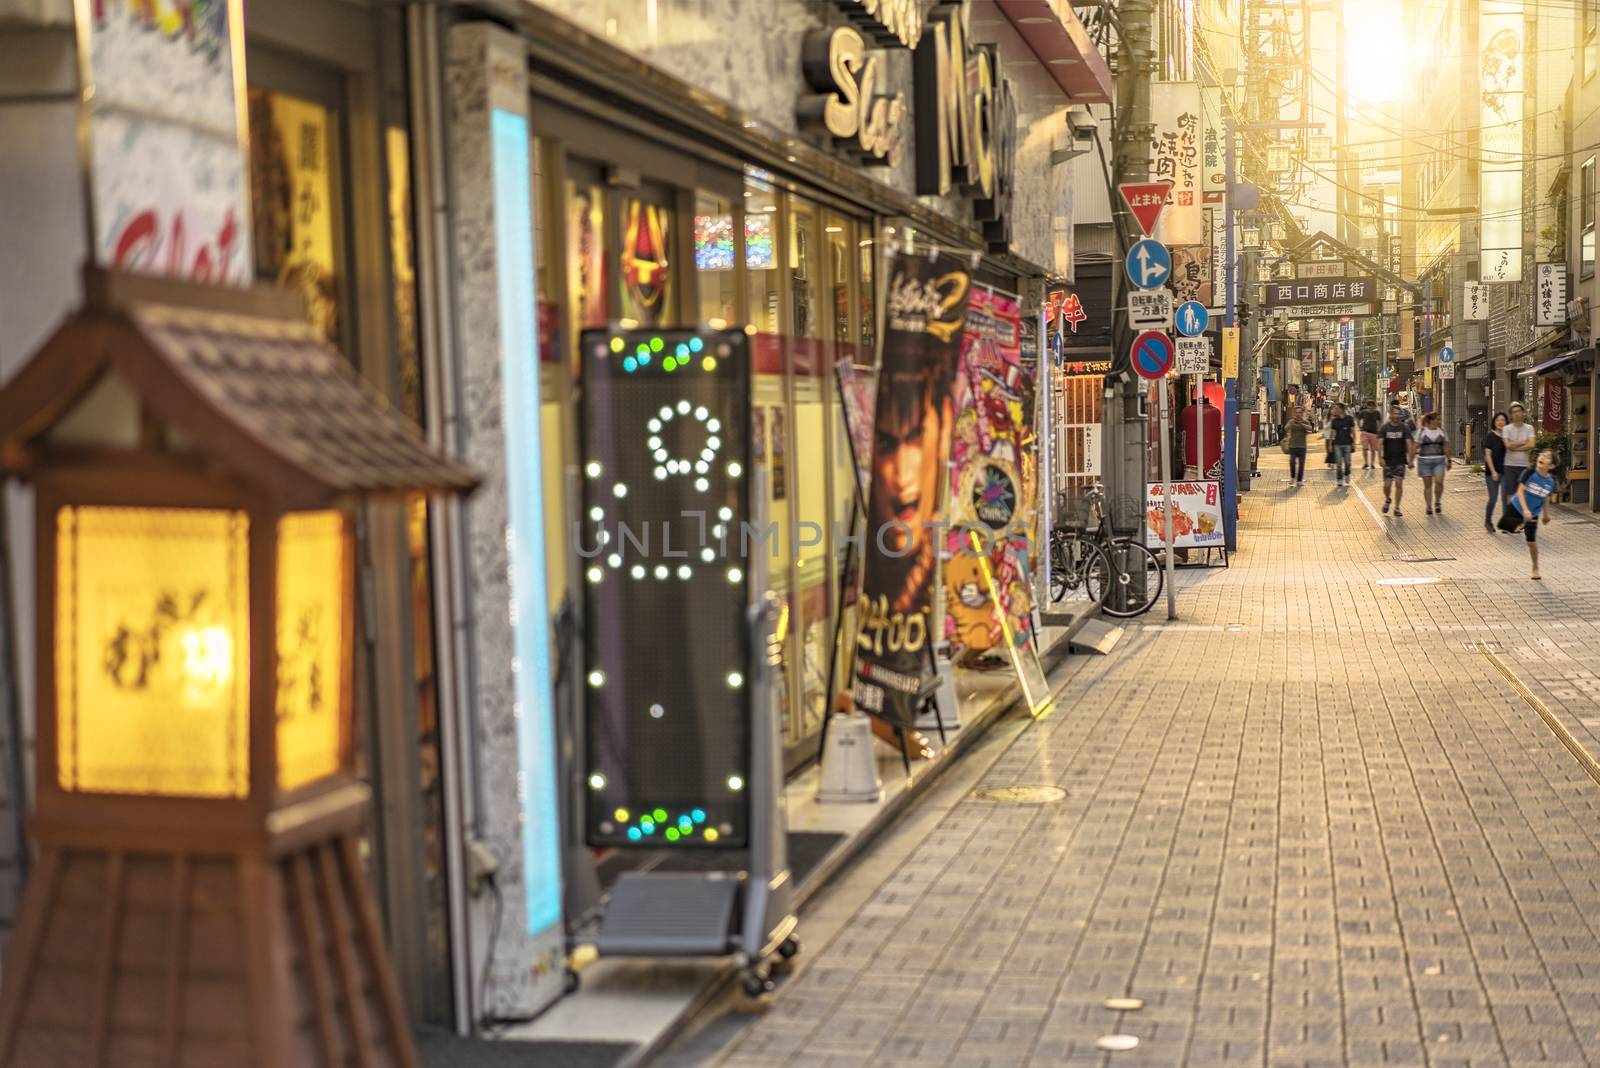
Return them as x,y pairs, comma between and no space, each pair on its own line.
536,744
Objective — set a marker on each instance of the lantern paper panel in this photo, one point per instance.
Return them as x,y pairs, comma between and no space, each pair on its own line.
152,651
312,670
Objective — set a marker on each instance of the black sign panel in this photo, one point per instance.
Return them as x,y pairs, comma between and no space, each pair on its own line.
663,524
1290,291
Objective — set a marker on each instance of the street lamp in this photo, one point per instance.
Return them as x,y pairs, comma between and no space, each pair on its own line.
198,455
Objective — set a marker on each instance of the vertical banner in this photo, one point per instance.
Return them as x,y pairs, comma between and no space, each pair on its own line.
1550,295
1175,157
1500,124
166,166
924,317
993,479
1214,188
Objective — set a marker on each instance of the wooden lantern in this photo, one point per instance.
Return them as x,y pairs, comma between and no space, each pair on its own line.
199,897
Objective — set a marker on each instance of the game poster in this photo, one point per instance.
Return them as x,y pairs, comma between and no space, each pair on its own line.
925,313
993,478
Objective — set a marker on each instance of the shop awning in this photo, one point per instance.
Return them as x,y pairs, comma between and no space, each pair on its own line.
1555,362
1055,34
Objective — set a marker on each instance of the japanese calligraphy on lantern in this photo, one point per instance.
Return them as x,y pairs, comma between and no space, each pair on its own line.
1550,295
1175,155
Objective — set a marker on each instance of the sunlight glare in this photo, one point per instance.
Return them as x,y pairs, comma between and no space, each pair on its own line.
1379,63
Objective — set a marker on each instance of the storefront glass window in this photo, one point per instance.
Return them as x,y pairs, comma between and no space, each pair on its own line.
714,250
761,255
866,298
646,261
292,167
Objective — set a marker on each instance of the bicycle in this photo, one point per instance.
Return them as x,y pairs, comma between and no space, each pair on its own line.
1121,575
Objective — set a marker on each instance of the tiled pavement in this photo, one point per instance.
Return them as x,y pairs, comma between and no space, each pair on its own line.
1311,823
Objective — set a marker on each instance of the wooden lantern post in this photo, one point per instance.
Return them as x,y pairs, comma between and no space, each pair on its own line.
199,897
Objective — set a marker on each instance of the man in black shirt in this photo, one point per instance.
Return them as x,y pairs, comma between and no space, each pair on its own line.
1369,434
1398,449
1343,429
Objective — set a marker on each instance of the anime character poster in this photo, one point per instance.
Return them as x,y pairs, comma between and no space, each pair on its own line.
993,479
924,317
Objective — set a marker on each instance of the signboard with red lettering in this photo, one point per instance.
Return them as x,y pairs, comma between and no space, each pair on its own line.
1196,515
1145,200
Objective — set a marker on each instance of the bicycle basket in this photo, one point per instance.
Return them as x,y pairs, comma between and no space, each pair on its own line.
1073,513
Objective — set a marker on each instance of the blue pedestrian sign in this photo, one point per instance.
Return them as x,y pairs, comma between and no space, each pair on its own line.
1152,354
1447,355
1192,318
1148,264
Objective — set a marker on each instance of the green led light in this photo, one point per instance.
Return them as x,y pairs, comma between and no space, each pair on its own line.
672,834
659,815
669,364
642,349
656,344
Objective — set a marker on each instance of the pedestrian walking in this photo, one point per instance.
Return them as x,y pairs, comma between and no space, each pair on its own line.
1529,505
1519,436
1398,449
1370,419
1494,460
1343,428
1294,443
1433,461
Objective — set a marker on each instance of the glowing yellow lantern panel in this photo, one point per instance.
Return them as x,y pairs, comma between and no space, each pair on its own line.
312,683
152,651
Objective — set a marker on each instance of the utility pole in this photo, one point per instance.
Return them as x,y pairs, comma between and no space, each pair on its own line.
1125,429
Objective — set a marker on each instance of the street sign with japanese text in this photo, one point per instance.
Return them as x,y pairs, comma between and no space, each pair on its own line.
1149,309
1322,311
1321,291
1550,295
1145,200
1447,370
1194,356
1474,301
1175,154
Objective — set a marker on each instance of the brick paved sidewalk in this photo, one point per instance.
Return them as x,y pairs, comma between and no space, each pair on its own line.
1311,823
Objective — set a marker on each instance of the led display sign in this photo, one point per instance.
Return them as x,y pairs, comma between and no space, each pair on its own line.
665,537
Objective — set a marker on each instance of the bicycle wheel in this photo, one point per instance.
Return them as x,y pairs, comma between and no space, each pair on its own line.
1136,576
1080,575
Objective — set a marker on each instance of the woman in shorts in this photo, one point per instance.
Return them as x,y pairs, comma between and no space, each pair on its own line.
1529,505
1433,461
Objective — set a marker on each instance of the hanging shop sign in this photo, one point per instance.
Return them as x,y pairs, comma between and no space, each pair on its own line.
165,165
848,105
888,22
1066,304
1321,291
925,316
1550,295
1213,161
1474,301
1175,157
966,120
1552,405
1500,88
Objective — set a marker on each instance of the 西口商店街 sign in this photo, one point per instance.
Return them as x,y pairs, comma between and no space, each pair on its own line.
1322,291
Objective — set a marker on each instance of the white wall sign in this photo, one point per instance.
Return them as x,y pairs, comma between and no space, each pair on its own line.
1474,301
1550,295
1175,152
1447,370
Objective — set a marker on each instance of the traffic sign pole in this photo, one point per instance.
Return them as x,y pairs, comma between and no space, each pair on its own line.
1163,403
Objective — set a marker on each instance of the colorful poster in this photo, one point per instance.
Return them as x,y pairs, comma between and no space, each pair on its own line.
924,315
856,389
993,479
1196,515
